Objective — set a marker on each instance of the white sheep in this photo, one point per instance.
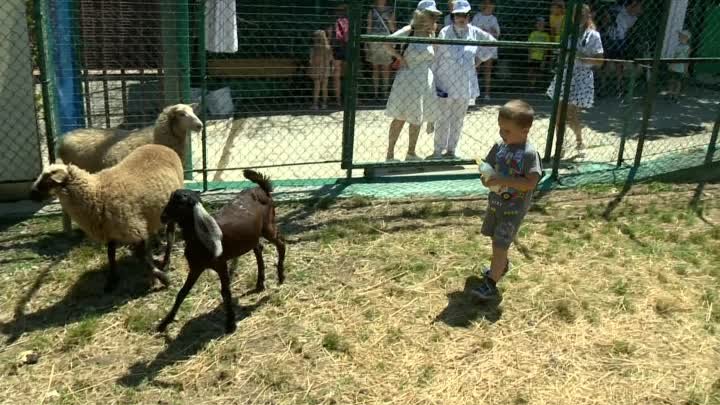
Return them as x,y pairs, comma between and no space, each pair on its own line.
121,204
94,149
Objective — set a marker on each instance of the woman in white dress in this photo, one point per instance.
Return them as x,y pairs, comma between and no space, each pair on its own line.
456,81
582,89
412,97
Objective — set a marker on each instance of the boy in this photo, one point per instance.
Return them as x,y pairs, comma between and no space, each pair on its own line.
536,56
517,172
678,71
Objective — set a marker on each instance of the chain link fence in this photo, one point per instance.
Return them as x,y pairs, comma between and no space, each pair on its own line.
307,91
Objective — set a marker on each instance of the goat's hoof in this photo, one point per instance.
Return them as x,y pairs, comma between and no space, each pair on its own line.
162,327
230,328
259,287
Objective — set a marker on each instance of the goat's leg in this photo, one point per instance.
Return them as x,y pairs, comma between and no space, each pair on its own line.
260,284
112,276
279,243
192,277
222,271
169,241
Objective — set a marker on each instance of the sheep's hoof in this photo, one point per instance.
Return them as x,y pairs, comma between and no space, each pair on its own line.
259,287
162,327
162,277
230,327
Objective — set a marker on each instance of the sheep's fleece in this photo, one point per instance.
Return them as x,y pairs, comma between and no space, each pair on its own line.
94,149
122,203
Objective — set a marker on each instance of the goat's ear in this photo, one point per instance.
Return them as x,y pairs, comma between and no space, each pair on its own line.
207,230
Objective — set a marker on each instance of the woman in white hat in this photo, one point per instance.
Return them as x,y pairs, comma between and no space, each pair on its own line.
455,78
412,97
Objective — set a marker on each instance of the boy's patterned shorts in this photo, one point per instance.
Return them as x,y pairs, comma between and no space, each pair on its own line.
503,220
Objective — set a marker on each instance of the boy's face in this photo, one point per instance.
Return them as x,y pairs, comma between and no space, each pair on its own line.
511,132
540,25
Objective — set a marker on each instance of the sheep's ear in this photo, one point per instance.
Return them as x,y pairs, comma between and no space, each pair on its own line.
207,230
195,106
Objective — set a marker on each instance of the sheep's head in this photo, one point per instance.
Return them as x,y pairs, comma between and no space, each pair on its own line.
182,118
52,178
185,206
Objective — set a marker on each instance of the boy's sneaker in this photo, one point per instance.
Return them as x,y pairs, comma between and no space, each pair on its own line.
487,291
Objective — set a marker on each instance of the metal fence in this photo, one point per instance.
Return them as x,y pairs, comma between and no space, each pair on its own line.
261,72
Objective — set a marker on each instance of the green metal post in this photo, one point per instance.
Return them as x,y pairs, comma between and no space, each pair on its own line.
44,43
182,35
203,88
559,74
574,29
713,141
350,84
652,84
628,116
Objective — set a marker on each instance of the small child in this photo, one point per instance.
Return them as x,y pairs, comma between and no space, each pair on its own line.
320,59
486,21
536,56
678,71
517,170
557,19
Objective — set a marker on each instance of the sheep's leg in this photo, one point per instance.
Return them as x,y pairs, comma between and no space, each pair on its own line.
222,271
169,241
112,267
67,223
192,277
144,250
260,284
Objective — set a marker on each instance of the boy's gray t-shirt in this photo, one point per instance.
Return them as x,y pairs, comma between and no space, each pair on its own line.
516,161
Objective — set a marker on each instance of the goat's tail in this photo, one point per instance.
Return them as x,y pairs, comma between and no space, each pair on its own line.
259,179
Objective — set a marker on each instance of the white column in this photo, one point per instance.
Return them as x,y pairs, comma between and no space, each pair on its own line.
678,11
19,143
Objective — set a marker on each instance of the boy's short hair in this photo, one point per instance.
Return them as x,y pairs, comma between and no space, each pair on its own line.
519,112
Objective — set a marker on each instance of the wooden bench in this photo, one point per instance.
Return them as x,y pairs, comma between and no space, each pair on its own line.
254,68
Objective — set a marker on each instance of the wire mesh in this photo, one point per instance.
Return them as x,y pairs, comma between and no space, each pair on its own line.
281,88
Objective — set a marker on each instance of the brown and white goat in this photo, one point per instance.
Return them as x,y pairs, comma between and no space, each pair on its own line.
210,241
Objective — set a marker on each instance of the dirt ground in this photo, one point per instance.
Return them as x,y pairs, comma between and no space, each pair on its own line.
612,299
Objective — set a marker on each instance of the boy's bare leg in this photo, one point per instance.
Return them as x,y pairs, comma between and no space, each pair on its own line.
498,262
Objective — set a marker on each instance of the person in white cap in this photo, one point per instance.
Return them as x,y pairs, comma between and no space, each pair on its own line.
455,78
679,70
412,97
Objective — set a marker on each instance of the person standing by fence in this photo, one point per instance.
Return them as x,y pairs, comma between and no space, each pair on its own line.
412,97
320,59
537,56
380,21
456,80
619,21
340,36
582,88
488,23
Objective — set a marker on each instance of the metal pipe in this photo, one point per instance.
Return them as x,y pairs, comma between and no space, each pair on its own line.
574,30
652,84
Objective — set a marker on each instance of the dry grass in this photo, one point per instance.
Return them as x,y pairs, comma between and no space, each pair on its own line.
623,310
